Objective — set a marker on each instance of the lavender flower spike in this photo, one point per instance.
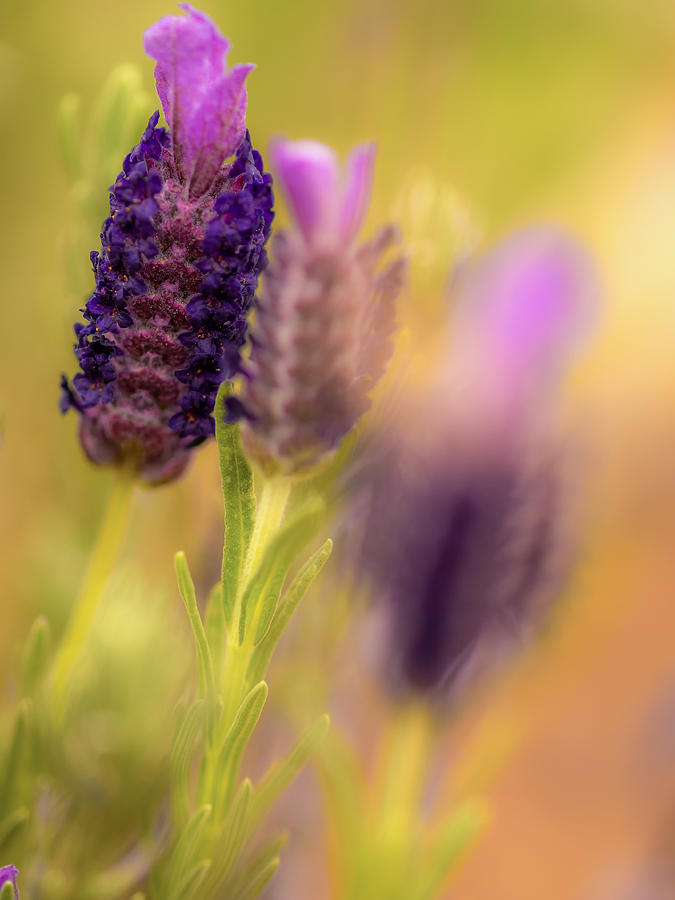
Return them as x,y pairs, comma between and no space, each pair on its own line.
324,324
471,483
8,875
182,250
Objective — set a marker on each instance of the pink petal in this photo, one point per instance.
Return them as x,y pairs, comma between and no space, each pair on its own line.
532,298
204,107
308,173
218,127
358,185
521,311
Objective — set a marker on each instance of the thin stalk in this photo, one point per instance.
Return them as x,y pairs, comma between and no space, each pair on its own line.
397,809
234,683
111,534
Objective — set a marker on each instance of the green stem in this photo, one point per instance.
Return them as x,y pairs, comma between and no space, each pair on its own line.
234,681
397,809
101,563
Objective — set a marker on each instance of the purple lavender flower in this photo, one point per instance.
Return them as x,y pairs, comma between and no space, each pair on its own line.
323,326
8,875
465,506
181,254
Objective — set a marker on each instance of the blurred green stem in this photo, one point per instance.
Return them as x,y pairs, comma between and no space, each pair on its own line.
111,534
390,844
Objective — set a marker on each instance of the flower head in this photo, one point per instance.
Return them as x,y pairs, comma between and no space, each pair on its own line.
8,875
464,531
181,253
324,323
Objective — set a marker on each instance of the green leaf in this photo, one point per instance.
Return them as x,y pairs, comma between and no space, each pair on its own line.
239,502
253,877
280,775
12,762
262,592
181,754
192,880
186,849
36,656
7,892
459,832
117,112
214,625
255,862
11,825
187,592
289,602
234,833
238,736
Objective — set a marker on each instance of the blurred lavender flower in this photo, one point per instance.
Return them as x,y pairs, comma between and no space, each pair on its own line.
181,254
324,323
8,875
465,505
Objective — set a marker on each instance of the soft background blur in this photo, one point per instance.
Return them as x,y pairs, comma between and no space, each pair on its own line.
488,114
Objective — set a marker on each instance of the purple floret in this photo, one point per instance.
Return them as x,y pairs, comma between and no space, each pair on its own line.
8,875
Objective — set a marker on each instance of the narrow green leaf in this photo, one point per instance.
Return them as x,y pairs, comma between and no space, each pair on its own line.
186,849
214,625
280,775
12,762
239,503
114,104
36,656
233,835
262,593
69,135
192,880
459,832
254,862
258,878
238,736
187,592
12,825
289,602
7,891
181,754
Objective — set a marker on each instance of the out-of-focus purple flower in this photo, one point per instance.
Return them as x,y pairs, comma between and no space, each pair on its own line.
328,207
520,314
324,323
464,512
182,250
8,875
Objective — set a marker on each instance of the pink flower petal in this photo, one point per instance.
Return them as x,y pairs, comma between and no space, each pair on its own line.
203,105
522,310
308,173
218,127
358,185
